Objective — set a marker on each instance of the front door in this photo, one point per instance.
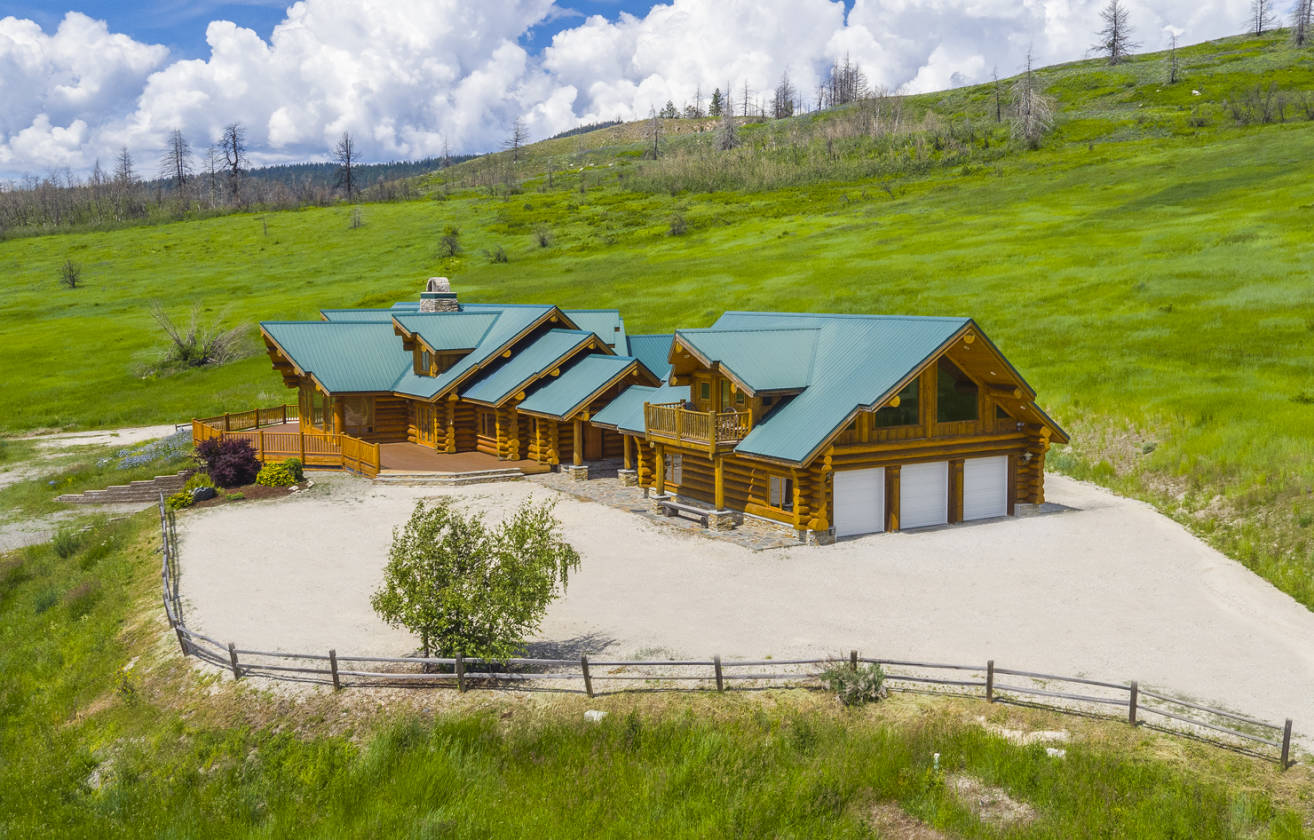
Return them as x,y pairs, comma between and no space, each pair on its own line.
592,443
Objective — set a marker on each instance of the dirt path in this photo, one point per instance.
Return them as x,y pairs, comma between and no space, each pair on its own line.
1111,589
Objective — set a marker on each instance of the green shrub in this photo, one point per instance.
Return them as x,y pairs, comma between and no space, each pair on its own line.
855,686
276,475
234,497
294,464
66,542
81,598
198,479
46,599
178,501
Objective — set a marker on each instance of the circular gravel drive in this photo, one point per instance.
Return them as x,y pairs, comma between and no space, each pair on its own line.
1110,589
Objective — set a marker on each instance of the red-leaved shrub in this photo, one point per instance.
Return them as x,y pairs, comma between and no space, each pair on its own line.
231,462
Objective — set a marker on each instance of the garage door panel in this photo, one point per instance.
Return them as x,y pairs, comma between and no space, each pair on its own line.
985,487
859,499
924,494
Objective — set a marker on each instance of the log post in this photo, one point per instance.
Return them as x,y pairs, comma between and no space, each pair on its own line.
625,444
460,672
1286,745
659,471
333,667
577,447
182,640
1131,703
232,658
226,421
718,475
716,663
588,680
853,659
990,681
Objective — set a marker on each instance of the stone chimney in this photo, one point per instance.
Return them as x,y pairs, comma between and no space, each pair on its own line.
438,296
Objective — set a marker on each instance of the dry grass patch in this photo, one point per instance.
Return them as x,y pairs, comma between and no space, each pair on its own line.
990,803
893,823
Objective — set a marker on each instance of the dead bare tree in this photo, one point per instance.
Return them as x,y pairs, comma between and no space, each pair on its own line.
345,154
1171,65
845,82
198,344
123,172
1302,22
1033,111
176,162
516,140
654,133
727,135
1115,41
999,96
233,146
1262,18
782,103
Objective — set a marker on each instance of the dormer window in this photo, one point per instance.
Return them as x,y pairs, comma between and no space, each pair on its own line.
426,363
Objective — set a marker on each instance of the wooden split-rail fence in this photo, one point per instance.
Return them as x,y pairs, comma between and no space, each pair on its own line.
1129,701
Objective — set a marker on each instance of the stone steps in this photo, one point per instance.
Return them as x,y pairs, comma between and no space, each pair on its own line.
449,479
145,490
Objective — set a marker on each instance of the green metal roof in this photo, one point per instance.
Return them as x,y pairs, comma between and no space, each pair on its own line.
344,356
858,360
376,315
625,413
545,353
606,323
765,359
511,321
567,393
654,351
448,330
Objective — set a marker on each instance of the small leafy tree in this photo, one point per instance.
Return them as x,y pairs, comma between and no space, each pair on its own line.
231,462
469,589
70,274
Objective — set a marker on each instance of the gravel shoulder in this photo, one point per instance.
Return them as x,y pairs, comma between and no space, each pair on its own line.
1110,589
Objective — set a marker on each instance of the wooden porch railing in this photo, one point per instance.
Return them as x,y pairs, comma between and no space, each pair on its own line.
674,421
314,448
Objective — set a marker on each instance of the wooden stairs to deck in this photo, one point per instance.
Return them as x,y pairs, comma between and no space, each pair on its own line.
448,479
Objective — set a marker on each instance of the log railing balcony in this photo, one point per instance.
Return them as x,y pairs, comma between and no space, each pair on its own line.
709,428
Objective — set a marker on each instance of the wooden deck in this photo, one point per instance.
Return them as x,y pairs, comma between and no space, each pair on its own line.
413,458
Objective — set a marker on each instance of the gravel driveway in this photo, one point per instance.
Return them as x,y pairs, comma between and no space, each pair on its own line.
1111,589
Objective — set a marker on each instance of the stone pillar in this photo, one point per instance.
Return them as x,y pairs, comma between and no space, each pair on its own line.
628,478
576,472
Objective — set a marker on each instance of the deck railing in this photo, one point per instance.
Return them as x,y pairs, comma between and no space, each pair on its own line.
314,448
674,421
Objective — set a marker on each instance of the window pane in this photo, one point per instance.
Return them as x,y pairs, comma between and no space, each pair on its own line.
956,394
907,412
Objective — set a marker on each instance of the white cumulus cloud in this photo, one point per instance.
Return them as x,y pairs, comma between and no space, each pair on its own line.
408,78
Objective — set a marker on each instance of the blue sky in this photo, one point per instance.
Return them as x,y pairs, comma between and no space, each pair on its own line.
410,78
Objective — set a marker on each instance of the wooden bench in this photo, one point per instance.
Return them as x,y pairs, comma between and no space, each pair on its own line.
674,508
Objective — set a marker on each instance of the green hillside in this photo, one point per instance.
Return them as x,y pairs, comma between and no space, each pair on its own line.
1148,267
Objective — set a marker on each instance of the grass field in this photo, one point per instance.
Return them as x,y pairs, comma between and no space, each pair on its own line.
107,732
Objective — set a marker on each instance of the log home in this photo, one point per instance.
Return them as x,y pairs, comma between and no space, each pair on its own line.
833,425
836,425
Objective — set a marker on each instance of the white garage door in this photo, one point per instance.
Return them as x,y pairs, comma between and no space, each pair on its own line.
985,487
859,502
923,494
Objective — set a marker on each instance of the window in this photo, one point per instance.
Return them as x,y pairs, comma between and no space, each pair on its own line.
739,398
1000,414
426,362
782,492
906,414
956,395
725,394
358,415
674,469
704,393
487,424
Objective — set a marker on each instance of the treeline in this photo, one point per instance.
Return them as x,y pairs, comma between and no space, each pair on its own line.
189,186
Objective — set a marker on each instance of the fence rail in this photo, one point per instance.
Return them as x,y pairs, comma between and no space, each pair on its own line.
312,447
462,673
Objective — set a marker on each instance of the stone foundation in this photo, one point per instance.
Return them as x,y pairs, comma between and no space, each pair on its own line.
655,506
577,473
723,520
628,478
817,537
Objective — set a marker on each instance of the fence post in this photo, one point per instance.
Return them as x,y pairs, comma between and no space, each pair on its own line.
1286,745
853,659
301,441
1131,703
232,657
260,443
285,414
182,641
716,663
226,421
460,672
333,666
990,681
588,680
